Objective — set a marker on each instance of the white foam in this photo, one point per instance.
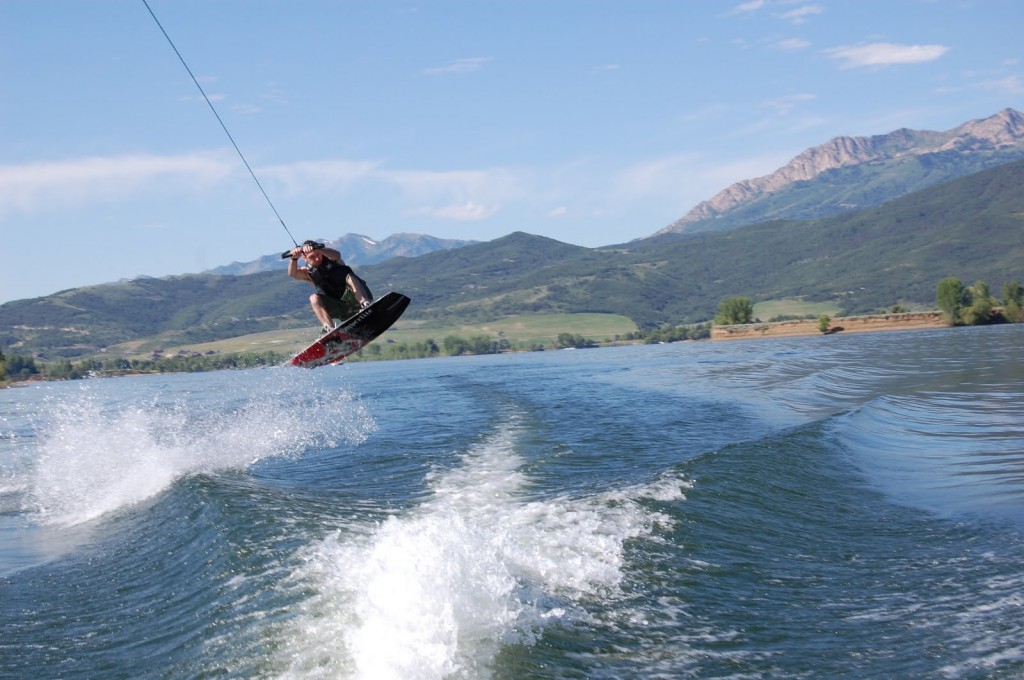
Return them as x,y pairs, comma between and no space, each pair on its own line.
435,593
987,624
95,456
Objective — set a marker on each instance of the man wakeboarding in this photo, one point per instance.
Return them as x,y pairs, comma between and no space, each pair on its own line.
339,292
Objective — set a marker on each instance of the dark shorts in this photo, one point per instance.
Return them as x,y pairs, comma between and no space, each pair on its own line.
340,309
347,304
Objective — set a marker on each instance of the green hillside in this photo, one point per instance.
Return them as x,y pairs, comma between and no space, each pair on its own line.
970,228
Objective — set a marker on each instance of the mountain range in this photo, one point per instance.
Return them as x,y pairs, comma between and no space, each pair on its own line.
358,250
853,173
859,260
843,175
862,261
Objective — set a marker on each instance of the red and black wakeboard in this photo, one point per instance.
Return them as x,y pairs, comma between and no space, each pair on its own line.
353,333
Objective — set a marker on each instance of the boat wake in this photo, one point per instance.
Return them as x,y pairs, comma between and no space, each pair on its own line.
476,567
95,456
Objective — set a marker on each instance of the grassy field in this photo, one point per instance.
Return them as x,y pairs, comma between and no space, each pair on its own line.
539,329
769,309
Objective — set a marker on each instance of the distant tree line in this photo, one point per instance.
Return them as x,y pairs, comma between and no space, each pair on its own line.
960,306
26,367
700,331
452,345
19,367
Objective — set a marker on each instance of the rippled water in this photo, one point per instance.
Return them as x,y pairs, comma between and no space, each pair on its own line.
810,507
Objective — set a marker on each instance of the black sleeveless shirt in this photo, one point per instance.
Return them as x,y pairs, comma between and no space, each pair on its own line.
330,278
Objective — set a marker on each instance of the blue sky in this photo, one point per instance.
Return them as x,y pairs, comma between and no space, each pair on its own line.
593,122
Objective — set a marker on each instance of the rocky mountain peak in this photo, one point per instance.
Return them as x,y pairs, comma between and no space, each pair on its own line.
1006,128
1003,130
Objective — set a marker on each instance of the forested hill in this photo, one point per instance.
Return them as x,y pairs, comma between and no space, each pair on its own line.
894,253
969,228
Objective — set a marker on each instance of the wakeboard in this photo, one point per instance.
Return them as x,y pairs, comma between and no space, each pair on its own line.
353,333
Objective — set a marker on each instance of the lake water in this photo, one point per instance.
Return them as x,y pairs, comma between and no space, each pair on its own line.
826,507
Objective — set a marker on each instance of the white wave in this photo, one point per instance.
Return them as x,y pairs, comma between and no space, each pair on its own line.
437,592
96,456
987,625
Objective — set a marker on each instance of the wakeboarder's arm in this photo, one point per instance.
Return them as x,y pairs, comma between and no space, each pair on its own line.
299,274
332,254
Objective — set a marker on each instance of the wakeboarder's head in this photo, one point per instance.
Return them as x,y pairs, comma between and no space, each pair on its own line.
315,258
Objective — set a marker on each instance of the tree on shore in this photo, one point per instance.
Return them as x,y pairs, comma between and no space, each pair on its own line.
574,340
975,305
455,345
667,333
951,297
735,310
1013,299
979,305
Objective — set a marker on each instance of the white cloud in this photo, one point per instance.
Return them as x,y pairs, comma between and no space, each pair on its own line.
779,126
786,103
34,186
885,54
676,183
458,185
320,176
710,113
680,180
460,212
728,173
800,14
454,195
687,179
200,98
1010,85
656,176
460,195
246,109
793,44
747,7
444,194
459,66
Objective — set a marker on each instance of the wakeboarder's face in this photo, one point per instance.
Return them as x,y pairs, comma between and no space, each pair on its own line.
314,258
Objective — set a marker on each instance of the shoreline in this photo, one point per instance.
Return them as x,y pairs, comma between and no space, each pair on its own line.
870,323
778,329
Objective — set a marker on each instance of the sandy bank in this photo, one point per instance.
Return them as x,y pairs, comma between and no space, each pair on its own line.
841,324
